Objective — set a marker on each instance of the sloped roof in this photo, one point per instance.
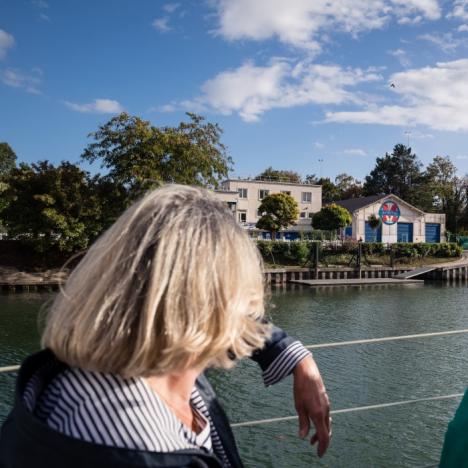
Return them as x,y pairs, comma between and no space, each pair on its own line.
353,204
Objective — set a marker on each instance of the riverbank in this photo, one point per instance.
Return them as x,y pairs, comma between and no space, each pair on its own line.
13,279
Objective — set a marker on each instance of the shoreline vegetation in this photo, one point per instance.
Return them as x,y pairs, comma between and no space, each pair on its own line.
20,264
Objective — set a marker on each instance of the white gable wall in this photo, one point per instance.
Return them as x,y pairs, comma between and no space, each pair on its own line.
408,214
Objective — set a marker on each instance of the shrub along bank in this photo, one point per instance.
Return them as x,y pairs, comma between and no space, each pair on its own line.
300,253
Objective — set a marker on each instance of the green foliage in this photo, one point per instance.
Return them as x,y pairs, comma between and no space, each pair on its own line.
280,210
347,187
141,156
299,253
398,173
423,250
331,218
374,221
7,158
330,192
285,253
55,208
279,175
447,192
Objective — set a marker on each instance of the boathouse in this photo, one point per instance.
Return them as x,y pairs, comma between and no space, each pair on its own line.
400,221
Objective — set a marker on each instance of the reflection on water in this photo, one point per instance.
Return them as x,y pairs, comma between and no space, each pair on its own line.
355,375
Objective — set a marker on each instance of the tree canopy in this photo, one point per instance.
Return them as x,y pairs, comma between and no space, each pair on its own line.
141,156
280,175
7,158
55,207
331,218
279,210
398,173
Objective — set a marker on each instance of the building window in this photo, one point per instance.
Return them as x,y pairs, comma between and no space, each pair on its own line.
306,197
262,194
260,213
242,192
303,214
232,206
287,192
311,215
242,216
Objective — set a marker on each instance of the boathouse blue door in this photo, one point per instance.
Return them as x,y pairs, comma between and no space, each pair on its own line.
432,233
373,235
405,232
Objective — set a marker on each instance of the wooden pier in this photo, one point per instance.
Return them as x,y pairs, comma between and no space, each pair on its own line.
356,281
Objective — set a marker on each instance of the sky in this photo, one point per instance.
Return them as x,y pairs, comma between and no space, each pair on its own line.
315,86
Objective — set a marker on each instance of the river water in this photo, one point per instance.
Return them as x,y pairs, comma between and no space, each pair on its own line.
357,375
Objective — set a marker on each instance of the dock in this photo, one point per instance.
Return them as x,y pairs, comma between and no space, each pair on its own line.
355,281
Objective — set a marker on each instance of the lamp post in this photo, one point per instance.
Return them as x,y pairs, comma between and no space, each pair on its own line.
320,160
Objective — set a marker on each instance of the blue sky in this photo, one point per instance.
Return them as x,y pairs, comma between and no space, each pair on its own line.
291,83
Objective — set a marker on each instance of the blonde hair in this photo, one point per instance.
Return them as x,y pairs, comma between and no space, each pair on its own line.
175,282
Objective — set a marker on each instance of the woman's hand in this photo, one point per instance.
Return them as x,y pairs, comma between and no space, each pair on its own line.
311,402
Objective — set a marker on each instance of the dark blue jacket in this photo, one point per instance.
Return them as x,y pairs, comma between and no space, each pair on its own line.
25,441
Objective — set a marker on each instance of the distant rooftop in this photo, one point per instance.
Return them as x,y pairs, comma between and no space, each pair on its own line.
353,204
271,180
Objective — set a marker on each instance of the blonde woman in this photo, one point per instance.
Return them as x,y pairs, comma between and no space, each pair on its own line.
172,288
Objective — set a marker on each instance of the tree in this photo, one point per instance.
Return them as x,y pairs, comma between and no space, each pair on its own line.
280,175
141,156
311,179
330,192
331,218
53,208
347,186
7,158
398,173
446,190
279,210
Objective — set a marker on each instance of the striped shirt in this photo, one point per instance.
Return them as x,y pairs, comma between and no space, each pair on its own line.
109,410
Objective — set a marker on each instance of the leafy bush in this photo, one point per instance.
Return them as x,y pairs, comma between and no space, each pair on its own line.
300,252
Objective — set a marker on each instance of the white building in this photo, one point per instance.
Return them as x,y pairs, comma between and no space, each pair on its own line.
400,221
245,195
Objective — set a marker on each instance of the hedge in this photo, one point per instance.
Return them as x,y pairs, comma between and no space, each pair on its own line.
299,252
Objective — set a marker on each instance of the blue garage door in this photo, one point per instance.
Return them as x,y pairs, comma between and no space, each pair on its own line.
348,231
291,235
373,235
432,233
405,232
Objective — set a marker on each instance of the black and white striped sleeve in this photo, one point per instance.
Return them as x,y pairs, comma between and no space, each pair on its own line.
284,363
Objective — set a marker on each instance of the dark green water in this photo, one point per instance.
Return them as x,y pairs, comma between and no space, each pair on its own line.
409,436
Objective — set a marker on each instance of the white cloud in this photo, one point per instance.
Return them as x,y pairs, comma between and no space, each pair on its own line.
98,106
44,17
402,56
15,78
7,41
436,97
463,28
302,22
418,135
162,24
460,10
319,145
446,42
171,7
355,152
251,90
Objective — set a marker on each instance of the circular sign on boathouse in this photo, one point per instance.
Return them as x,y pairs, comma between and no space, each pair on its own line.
389,212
